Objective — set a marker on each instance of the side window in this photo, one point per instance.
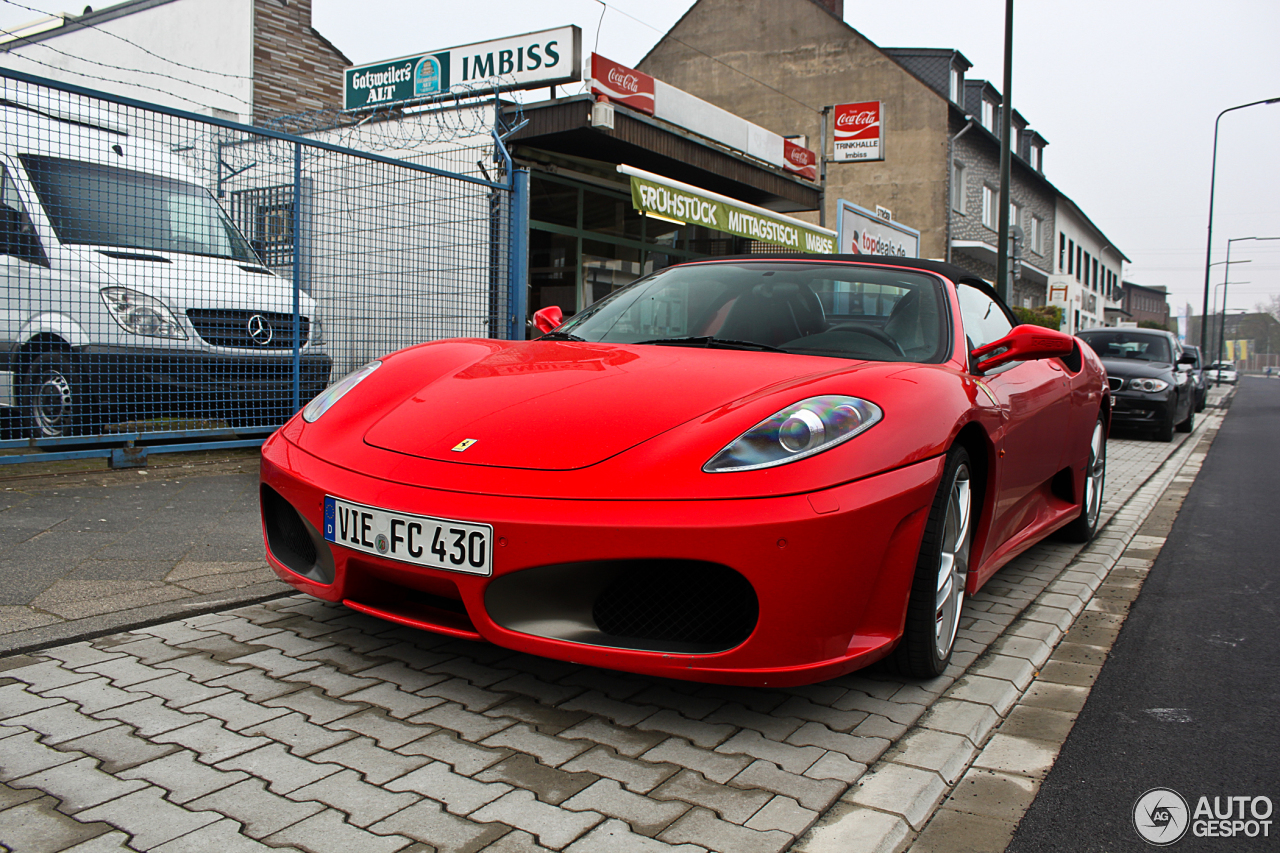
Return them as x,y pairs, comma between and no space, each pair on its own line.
17,235
984,319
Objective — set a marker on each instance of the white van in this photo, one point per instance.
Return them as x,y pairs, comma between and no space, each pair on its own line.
129,295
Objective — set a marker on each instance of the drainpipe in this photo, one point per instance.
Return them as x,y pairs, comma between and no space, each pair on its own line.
822,168
951,168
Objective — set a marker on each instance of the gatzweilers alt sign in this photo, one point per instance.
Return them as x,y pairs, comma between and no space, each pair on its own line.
530,61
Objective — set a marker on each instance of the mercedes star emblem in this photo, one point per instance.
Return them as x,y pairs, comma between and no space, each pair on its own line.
260,331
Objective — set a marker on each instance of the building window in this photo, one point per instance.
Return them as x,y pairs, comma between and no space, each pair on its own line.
1035,157
1071,257
958,187
989,206
1095,274
1079,262
1062,251
957,85
1034,235
1015,215
989,114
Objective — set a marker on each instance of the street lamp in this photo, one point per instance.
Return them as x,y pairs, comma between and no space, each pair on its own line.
1222,331
1213,175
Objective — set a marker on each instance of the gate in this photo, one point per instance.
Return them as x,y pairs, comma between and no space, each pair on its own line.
179,282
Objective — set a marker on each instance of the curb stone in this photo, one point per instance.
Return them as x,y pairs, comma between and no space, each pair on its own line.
986,745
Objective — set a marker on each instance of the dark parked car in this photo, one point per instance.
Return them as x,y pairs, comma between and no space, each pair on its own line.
1197,373
1148,391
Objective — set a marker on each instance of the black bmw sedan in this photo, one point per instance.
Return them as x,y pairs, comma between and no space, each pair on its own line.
1151,388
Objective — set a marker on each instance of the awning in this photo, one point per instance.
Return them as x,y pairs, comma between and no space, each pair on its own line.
668,199
564,126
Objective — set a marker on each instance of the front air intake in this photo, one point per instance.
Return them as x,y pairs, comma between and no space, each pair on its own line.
293,540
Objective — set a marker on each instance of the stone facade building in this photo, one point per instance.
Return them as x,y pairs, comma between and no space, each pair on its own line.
782,63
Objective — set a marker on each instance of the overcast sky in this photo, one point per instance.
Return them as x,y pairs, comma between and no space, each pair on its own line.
1126,92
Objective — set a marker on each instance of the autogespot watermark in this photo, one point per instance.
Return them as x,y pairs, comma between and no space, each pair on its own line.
1162,817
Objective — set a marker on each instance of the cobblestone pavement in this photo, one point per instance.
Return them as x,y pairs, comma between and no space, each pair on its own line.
296,724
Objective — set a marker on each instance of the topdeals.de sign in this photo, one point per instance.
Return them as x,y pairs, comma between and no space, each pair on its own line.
530,61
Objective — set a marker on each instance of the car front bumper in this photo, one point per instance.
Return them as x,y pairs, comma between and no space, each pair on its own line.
816,583
1142,411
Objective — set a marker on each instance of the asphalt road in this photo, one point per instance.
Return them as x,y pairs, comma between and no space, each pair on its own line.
1189,699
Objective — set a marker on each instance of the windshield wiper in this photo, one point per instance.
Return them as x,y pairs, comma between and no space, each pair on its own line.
560,336
712,342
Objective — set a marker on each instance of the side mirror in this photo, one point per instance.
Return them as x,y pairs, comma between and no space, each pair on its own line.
1187,359
546,319
1023,343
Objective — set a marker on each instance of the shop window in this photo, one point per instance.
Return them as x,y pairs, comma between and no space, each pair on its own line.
553,202
612,215
605,268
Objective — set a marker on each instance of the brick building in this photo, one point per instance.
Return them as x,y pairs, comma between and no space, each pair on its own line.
246,60
1140,303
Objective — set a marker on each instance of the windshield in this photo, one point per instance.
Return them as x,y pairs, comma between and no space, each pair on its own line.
1125,345
839,310
91,204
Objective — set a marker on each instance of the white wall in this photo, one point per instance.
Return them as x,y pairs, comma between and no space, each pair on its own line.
214,35
1069,223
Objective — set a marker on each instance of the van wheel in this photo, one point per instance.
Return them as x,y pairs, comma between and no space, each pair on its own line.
51,396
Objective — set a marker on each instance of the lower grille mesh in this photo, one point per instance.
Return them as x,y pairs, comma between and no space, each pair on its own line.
699,603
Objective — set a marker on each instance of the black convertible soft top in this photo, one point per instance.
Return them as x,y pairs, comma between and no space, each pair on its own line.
942,268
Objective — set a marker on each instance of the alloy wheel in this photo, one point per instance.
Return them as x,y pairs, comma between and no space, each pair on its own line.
953,564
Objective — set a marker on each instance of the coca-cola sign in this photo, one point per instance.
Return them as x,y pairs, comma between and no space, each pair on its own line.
858,131
799,160
621,84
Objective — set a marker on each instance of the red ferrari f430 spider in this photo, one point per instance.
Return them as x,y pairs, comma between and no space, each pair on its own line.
764,470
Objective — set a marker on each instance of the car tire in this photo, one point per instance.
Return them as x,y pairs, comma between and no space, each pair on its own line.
942,569
1165,431
1190,423
1085,525
51,401
1202,400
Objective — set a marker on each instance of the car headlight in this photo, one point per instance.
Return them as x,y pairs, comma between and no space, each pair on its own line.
141,314
1151,386
335,392
800,430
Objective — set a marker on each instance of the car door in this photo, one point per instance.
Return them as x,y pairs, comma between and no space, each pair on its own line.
1035,413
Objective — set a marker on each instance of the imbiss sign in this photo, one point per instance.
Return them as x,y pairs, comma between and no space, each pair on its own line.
530,61
858,131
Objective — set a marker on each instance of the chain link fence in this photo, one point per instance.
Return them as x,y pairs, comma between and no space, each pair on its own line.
175,278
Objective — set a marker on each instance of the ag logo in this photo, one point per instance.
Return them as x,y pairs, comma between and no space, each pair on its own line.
1161,817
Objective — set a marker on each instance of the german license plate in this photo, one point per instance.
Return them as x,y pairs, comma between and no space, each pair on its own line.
438,543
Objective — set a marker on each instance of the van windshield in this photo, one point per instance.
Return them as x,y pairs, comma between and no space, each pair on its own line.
96,205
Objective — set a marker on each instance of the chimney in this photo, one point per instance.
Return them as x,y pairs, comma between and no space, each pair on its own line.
835,7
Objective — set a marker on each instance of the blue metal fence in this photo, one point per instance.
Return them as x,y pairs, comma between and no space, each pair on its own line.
179,282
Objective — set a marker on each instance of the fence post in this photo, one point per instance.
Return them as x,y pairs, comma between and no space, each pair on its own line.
297,276
519,266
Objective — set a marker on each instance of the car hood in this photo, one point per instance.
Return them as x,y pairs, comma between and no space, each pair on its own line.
558,406
1128,368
